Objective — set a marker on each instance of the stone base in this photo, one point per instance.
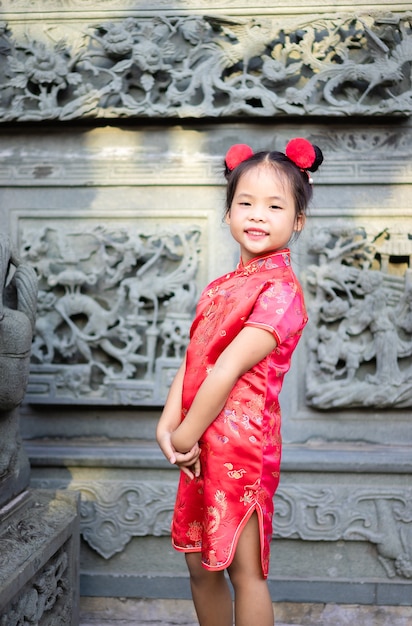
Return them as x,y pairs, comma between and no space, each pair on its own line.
39,547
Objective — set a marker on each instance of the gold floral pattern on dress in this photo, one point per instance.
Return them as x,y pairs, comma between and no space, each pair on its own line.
234,473
221,500
195,533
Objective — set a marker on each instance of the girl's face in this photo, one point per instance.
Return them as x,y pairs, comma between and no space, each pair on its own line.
262,216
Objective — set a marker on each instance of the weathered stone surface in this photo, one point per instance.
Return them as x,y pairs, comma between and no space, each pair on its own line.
39,544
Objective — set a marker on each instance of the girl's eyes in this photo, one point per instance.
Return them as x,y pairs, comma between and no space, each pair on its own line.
272,206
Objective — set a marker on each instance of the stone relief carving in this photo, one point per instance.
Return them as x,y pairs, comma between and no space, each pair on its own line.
360,332
202,66
380,516
144,507
114,311
39,589
41,599
113,513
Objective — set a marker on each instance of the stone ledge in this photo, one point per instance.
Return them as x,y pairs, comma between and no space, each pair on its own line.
175,588
113,611
314,457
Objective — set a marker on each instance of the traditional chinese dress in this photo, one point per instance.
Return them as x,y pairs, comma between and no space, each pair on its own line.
241,449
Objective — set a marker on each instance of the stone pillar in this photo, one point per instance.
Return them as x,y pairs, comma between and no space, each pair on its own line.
39,534
17,318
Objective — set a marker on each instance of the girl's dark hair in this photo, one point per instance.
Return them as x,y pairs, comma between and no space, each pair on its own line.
300,184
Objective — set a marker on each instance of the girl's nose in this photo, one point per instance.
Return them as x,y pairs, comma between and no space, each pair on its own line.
256,214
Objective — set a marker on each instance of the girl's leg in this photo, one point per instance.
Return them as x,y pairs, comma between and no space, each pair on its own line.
253,604
210,592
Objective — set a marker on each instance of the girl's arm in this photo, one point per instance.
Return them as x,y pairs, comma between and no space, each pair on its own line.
247,349
169,421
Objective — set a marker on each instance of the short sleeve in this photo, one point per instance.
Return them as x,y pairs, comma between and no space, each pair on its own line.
279,309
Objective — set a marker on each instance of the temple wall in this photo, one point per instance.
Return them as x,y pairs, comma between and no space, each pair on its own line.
113,124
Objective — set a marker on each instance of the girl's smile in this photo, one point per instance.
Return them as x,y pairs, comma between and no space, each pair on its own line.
262,217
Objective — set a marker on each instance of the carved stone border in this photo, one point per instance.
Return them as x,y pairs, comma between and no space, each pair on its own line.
198,66
379,515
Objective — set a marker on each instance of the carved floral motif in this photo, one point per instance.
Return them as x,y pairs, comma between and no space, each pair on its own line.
114,312
382,517
201,66
360,331
112,514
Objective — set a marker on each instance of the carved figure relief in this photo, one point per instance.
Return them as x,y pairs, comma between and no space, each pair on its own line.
360,330
198,66
114,312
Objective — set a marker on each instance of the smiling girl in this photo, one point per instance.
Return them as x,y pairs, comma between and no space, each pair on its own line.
221,421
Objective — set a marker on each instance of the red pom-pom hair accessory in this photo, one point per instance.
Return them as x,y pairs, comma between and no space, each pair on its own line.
236,154
304,154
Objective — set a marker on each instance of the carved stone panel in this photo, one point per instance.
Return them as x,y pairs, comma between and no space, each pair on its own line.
360,334
115,306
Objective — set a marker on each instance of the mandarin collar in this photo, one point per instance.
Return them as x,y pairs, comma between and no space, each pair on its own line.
281,258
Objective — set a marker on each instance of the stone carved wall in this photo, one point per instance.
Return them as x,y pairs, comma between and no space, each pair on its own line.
202,66
242,67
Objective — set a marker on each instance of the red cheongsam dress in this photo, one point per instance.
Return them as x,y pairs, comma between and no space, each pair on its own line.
241,449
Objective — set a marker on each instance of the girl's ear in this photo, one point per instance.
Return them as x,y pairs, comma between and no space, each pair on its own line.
227,217
299,223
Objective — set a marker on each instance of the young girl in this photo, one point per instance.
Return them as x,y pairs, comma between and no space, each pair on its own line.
221,421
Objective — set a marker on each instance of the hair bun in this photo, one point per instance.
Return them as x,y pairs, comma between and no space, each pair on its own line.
303,154
236,154
318,160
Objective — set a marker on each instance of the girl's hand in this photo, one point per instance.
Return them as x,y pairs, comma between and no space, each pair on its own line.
189,462
165,444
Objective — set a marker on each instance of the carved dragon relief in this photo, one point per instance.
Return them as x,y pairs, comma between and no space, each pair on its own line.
112,513
201,66
359,336
114,311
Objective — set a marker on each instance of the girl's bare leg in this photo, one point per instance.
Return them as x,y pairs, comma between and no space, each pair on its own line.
211,594
253,604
